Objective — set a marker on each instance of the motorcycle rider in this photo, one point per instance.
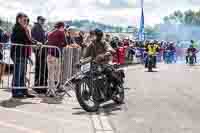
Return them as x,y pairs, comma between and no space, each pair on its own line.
194,46
99,49
108,38
100,52
172,50
152,49
193,50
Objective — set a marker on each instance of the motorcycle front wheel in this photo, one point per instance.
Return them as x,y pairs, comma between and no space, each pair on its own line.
86,96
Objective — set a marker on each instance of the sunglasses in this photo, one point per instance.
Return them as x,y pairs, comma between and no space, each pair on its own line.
25,20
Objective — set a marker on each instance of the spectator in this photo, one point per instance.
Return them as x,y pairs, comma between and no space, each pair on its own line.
55,38
115,42
4,37
77,47
41,70
74,37
126,42
131,50
90,38
79,39
18,55
28,49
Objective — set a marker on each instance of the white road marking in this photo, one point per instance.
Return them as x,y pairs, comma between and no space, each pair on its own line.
101,123
105,123
97,123
108,132
99,132
17,127
104,132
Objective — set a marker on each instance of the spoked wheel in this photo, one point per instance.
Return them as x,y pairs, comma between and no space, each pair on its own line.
119,97
86,96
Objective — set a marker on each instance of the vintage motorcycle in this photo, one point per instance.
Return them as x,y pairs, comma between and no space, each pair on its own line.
99,83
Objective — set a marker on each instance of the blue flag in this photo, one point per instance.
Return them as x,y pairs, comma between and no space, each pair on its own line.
141,30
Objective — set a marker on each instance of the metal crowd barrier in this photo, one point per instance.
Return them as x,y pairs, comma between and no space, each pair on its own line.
34,67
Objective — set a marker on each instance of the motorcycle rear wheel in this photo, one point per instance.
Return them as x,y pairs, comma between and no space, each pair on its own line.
120,96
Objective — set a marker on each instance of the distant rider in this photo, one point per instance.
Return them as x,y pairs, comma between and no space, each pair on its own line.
152,49
172,50
193,50
194,46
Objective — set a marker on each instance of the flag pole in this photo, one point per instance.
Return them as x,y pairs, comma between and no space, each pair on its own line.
141,29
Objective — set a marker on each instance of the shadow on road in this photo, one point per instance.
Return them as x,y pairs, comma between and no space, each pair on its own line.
13,103
110,108
154,71
50,100
80,111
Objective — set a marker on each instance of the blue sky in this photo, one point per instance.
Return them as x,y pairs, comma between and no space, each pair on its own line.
122,12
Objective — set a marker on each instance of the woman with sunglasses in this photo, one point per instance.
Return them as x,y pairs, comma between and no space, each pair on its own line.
20,36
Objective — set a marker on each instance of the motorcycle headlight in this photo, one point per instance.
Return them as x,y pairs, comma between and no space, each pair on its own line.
99,69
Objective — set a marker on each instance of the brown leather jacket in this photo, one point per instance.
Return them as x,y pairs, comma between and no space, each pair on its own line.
98,51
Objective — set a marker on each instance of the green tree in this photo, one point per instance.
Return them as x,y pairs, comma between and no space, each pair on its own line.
152,32
188,17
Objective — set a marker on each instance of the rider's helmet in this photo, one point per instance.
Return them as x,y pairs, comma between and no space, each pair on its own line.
92,32
151,42
147,42
171,43
98,33
115,38
155,41
107,37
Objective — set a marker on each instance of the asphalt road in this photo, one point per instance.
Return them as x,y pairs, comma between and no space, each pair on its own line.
166,101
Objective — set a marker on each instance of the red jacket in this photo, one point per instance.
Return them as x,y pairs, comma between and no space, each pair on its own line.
56,38
28,50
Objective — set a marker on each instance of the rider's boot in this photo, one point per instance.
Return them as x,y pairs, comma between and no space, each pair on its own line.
186,59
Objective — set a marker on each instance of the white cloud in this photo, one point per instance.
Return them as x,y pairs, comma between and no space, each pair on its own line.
106,11
105,2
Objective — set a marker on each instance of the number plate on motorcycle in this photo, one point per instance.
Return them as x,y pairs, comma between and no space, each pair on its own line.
86,67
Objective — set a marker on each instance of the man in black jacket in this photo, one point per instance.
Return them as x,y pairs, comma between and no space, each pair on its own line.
41,70
20,36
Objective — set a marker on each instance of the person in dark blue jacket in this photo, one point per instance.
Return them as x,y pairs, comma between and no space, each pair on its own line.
41,71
